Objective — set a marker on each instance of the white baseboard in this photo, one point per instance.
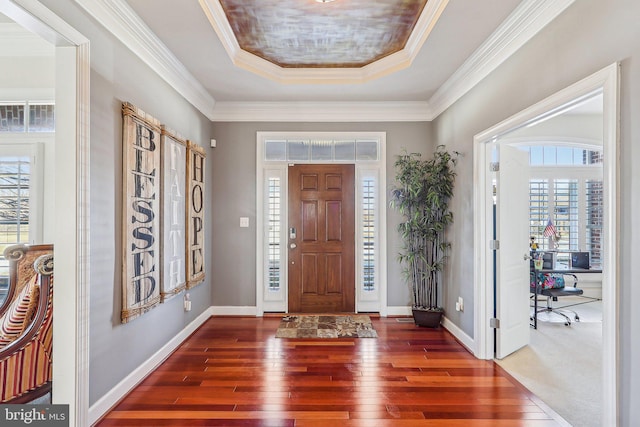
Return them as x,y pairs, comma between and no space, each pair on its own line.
400,310
106,402
234,310
459,334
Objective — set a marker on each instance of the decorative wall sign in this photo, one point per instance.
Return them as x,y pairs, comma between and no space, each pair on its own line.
195,217
141,208
174,188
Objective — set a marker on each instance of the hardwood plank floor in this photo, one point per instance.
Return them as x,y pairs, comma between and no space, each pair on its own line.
234,372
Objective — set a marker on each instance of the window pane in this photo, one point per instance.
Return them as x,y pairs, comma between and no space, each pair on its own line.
566,214
345,150
565,156
538,211
536,158
549,155
367,150
594,157
42,118
594,208
274,244
275,150
14,210
298,150
368,234
12,118
321,150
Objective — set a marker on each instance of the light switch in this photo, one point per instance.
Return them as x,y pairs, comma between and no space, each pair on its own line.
244,222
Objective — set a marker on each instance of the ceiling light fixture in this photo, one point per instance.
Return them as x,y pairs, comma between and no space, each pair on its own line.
324,1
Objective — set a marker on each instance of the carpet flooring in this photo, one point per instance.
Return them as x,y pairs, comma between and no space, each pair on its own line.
563,364
326,326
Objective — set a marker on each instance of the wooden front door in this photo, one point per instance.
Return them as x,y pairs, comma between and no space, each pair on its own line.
321,238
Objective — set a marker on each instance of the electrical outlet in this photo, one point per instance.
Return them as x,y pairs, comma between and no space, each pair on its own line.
187,302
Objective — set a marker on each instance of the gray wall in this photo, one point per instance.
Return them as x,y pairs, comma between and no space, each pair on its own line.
590,35
117,76
234,195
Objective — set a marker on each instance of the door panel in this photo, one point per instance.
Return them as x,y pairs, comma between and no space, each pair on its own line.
321,238
513,268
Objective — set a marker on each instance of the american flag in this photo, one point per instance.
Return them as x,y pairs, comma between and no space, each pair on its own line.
550,229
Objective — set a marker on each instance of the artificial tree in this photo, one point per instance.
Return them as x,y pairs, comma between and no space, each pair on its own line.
422,193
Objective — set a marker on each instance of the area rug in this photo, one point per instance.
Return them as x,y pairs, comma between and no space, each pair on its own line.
326,326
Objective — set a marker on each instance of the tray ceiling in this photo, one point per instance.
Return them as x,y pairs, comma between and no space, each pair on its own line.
454,45
312,34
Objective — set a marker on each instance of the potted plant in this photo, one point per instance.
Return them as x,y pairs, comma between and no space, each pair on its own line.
421,194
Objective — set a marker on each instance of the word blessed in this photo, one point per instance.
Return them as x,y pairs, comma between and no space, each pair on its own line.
37,415
143,218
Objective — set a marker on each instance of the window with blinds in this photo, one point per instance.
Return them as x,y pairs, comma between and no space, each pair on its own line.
273,224
594,214
565,216
368,234
14,209
574,201
538,210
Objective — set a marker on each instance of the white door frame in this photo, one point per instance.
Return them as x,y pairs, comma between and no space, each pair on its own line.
71,238
606,82
362,168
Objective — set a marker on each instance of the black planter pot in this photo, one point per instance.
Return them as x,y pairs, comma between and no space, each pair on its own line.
427,318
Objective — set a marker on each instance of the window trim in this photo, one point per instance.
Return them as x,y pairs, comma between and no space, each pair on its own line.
35,151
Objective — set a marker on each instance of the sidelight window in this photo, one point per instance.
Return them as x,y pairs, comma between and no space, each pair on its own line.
274,244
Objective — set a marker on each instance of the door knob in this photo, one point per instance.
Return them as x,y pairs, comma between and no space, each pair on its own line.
293,246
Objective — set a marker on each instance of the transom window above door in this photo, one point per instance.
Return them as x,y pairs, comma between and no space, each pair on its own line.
321,150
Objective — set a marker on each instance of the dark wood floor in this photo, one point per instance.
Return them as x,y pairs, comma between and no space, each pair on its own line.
233,372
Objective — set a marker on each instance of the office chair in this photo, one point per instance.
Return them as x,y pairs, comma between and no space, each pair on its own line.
552,286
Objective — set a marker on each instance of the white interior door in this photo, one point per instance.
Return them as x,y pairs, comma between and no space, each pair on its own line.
512,219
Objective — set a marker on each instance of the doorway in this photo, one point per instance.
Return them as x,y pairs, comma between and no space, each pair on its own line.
321,239
362,152
604,82
71,239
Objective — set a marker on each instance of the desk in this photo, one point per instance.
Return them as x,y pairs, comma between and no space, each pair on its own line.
571,271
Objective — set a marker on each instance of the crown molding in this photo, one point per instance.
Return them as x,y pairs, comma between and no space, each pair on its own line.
321,112
122,21
382,67
525,21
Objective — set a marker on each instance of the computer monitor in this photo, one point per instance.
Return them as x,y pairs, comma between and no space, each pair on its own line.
580,260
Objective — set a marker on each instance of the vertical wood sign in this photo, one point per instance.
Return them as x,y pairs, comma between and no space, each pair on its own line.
174,233
195,218
141,208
